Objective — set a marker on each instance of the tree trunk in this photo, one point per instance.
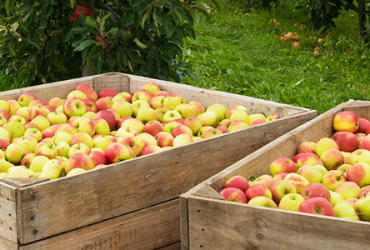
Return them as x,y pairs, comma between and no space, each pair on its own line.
362,18
89,70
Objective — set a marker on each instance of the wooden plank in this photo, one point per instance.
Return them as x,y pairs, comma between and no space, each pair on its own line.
216,224
8,245
119,82
149,228
175,246
208,97
94,196
21,182
8,213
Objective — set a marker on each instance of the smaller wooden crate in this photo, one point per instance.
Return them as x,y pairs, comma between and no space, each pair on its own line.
132,204
210,222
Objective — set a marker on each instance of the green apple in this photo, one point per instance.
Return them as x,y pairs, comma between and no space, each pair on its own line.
240,115
53,168
56,118
209,118
17,172
220,109
185,110
138,104
146,114
363,208
231,110
15,128
197,106
262,201
41,121
14,153
124,108
5,165
324,144
38,162
346,210
291,202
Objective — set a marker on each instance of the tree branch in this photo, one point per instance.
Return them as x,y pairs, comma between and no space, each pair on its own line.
103,7
47,35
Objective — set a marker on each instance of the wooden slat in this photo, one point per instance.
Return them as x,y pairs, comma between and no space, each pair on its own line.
216,224
8,213
119,82
8,245
175,246
208,97
22,182
150,228
127,186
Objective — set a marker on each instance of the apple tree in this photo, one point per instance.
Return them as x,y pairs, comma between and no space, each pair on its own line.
48,40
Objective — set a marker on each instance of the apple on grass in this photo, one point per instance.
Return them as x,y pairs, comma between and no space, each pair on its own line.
233,194
281,188
237,181
317,206
291,202
258,190
282,165
262,201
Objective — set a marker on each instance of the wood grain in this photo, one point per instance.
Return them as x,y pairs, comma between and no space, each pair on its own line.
149,228
8,213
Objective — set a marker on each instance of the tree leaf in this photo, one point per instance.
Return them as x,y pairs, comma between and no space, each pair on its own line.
91,21
84,45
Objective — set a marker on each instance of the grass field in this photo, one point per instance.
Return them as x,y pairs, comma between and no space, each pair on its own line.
239,51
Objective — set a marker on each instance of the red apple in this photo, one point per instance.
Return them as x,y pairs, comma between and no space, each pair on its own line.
237,182
318,206
234,194
315,190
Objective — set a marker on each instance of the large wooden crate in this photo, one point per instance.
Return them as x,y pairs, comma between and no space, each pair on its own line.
208,221
132,204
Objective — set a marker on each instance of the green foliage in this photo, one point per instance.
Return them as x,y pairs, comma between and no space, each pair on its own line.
38,42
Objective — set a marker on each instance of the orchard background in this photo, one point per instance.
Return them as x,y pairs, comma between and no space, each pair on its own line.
228,45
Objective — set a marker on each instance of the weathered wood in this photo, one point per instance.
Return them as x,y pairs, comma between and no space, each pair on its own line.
175,246
234,226
119,82
149,228
216,224
208,97
8,213
22,182
8,245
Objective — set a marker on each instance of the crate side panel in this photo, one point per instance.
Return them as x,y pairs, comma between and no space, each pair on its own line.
119,82
149,228
209,97
8,245
8,212
218,224
175,246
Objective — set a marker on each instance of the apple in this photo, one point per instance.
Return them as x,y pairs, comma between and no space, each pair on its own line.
363,143
181,129
172,101
303,159
164,139
4,105
108,116
263,202
156,102
107,92
123,108
14,106
233,194
360,155
343,168
348,189
311,173
152,87
324,144
90,105
279,177
142,94
78,148
84,124
257,122
153,127
66,127
148,139
104,103
347,157
185,110
332,158
212,133
332,179
5,114
197,106
103,141
146,114
220,109
56,118
363,208
82,137
135,143
346,121
272,117
363,123
36,103
346,141
53,168
35,132
15,128
55,102
297,180
79,160
182,139
4,144
317,206
122,96
225,122
28,142
209,118
346,210
116,152
23,111
266,180
194,123
364,192
46,149
150,150
74,107
315,190
237,181
87,90
162,93
5,165
161,111
135,124
76,171
258,190
237,125
335,198
240,115
170,116
98,158
101,126
359,173
76,93
282,165
291,202
234,108
17,172
137,105
62,148
281,188
14,153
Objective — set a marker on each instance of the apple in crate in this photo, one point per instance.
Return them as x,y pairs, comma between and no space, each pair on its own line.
282,165
348,190
332,158
281,188
291,202
318,206
234,194
346,210
311,173
363,208
258,190
297,180
303,159
360,155
324,144
346,121
237,182
262,201
315,190
332,179
363,123
346,141
359,173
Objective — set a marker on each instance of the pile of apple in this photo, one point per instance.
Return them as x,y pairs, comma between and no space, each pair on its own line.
329,177
89,130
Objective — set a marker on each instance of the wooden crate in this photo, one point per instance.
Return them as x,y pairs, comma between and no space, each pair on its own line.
208,221
132,204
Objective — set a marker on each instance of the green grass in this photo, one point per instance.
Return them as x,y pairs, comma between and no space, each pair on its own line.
240,52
